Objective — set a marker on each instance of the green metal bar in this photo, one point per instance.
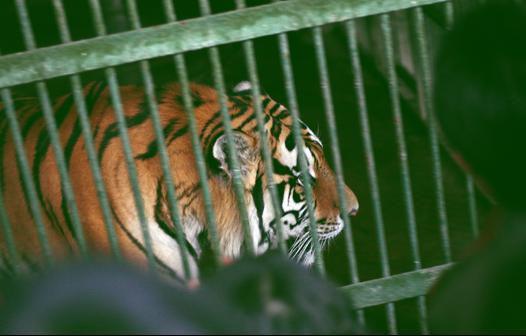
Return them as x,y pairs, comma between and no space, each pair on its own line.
404,164
371,165
237,181
423,55
87,133
25,171
7,231
473,215
196,144
393,288
51,125
163,153
450,13
298,139
177,37
472,203
265,150
111,77
335,147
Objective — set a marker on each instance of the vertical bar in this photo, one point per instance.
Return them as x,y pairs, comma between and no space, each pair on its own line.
335,147
7,231
165,161
87,133
25,171
450,14
371,171
418,18
473,215
265,150
298,139
196,144
111,77
404,163
51,125
472,203
229,133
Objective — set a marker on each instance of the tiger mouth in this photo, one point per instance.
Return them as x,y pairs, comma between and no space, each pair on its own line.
329,231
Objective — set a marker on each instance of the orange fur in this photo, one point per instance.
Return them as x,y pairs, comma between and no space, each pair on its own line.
150,176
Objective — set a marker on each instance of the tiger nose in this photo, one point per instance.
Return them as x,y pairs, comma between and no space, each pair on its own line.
354,210
352,203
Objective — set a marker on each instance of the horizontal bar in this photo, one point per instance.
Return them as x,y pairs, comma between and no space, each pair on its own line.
394,288
177,37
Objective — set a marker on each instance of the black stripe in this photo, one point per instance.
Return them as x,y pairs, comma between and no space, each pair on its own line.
189,191
280,169
259,202
180,132
276,128
52,216
190,201
283,114
153,148
209,122
30,121
220,124
289,142
274,108
240,104
41,150
265,102
112,130
247,120
137,244
162,223
91,99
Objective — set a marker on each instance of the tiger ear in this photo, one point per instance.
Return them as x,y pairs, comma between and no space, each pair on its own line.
246,152
245,87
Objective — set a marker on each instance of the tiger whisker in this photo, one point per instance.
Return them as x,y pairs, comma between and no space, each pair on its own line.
300,243
304,242
306,247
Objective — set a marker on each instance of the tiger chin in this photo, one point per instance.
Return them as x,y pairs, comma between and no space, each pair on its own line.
191,204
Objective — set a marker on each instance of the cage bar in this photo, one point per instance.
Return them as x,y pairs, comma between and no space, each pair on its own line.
13,257
473,214
163,154
404,161
229,133
196,144
336,153
52,127
28,183
371,165
298,139
111,78
472,203
423,56
87,133
250,58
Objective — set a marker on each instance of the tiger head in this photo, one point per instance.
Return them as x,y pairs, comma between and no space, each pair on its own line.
286,178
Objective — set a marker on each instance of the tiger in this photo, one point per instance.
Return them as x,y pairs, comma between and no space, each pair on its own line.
190,199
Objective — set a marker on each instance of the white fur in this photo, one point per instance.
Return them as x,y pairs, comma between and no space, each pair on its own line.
288,158
243,86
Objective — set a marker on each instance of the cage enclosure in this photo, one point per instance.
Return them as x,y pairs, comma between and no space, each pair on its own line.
357,72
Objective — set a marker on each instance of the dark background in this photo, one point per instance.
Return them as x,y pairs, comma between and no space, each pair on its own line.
311,109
